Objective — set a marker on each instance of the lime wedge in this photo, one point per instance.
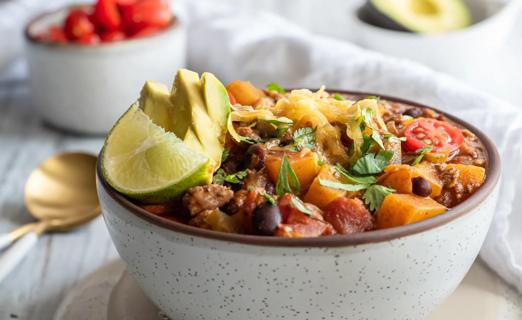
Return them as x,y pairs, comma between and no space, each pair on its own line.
143,161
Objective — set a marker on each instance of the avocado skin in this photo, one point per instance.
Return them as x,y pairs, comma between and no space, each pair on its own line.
371,15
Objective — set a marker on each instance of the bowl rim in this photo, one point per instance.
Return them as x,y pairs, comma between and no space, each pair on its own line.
31,38
493,171
509,7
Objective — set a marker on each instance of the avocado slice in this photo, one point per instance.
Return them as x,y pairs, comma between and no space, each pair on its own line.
196,111
200,113
155,102
217,102
420,16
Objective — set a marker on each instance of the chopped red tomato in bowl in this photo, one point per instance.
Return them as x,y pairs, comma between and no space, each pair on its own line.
109,21
440,135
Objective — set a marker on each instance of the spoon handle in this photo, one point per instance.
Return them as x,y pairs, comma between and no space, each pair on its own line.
7,239
12,256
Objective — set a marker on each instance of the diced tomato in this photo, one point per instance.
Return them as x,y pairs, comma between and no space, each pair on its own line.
92,38
111,36
424,132
297,224
78,25
123,4
56,34
106,15
144,14
145,32
252,200
348,216
231,97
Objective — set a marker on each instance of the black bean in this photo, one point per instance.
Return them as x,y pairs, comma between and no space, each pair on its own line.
413,112
266,218
420,186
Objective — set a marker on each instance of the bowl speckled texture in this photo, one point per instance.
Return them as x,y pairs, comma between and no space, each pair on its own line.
397,273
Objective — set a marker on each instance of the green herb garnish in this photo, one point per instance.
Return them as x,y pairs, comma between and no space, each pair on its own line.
225,154
374,196
272,86
304,138
299,205
342,186
367,144
338,97
236,177
420,154
287,181
352,178
268,198
372,163
393,138
219,177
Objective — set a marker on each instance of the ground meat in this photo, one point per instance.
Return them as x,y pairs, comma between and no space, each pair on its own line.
265,103
248,132
207,197
236,202
453,191
258,180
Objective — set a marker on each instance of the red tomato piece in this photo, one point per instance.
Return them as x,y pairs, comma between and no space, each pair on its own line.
297,224
231,97
424,132
146,13
92,38
107,15
348,216
56,34
145,32
111,36
78,25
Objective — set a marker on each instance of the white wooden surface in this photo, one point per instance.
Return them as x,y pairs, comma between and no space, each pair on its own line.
59,261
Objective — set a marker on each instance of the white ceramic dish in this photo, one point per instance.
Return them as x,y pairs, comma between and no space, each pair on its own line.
397,273
112,293
86,88
457,52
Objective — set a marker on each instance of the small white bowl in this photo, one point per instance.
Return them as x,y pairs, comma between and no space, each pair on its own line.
397,273
86,88
456,52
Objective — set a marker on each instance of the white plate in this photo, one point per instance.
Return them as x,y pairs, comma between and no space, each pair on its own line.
111,293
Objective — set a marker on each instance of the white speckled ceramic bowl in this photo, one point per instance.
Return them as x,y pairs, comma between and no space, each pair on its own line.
397,273
86,88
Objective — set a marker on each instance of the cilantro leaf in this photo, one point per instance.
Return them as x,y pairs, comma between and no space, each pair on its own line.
287,181
377,138
278,122
393,138
372,163
272,86
367,117
420,154
268,198
225,154
304,138
357,180
219,177
342,186
367,144
299,205
338,97
236,177
374,196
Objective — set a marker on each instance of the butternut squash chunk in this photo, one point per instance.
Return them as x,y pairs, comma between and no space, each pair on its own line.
244,92
400,209
399,177
319,195
303,163
469,175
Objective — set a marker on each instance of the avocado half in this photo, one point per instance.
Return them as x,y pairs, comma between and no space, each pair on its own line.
419,16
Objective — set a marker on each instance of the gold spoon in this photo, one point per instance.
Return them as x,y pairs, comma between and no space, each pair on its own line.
61,194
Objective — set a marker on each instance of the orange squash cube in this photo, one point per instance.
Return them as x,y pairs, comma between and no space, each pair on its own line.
244,92
401,209
303,163
319,195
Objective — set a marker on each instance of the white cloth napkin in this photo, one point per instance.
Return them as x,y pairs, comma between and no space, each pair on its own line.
262,48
